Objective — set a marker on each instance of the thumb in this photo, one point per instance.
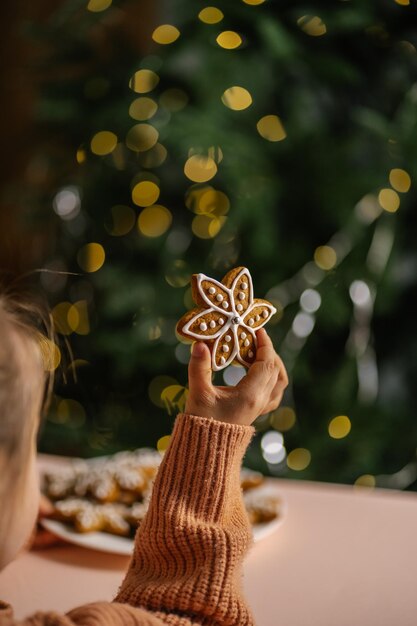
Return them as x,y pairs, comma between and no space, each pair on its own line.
199,368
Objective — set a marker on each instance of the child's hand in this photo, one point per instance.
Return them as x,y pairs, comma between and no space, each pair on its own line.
259,392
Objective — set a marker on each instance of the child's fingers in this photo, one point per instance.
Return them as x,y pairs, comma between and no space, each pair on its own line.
199,369
260,373
279,386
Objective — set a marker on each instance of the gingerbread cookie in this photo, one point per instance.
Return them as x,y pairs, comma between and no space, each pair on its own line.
226,318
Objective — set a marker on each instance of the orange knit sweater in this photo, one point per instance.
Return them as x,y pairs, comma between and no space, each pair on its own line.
186,566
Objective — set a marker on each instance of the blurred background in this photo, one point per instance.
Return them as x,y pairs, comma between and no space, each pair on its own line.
145,141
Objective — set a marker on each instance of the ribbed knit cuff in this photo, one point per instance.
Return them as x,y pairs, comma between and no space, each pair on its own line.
201,465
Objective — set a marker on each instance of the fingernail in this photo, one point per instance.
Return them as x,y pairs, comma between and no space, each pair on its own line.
198,349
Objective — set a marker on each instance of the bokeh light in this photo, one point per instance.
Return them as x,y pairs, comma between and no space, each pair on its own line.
254,2
310,300
153,157
91,257
163,443
103,142
303,324
174,398
121,221
210,15
272,445
270,127
77,318
360,293
312,25
199,168
96,6
141,137
50,353
325,257
67,202
144,81
366,480
229,39
389,200
165,34
207,226
156,387
233,374
400,180
236,98
71,412
339,427
299,459
143,108
283,418
145,193
154,221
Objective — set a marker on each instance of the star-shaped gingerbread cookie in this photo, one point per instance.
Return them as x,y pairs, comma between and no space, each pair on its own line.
227,317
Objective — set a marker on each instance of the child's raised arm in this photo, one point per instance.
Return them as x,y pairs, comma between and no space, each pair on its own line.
186,566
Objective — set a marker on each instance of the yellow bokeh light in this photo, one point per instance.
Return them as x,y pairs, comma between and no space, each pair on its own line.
122,220
213,202
339,427
389,200
299,459
80,155
143,81
174,398
60,318
366,480
78,319
145,193
50,353
325,257
254,2
400,180
165,34
237,98
210,15
103,142
200,168
153,157
283,418
173,99
207,226
143,108
141,137
91,257
156,387
312,25
229,39
178,274
154,221
95,6
403,3
163,443
271,128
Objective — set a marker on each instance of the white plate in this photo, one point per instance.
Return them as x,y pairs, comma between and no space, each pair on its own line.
105,542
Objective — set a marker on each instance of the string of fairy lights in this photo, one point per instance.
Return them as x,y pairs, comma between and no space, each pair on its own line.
210,208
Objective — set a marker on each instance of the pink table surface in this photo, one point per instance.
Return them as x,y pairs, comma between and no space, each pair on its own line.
341,557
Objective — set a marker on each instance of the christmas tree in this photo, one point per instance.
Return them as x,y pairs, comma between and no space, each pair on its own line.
275,135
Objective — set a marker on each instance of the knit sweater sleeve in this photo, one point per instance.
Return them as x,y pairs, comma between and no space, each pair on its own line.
189,549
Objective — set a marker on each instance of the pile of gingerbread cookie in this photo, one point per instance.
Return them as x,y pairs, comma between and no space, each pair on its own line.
112,494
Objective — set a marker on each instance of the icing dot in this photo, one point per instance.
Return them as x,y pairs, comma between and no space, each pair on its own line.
243,335
212,290
228,338
221,321
219,297
203,326
239,307
222,360
250,354
225,305
241,295
212,324
250,321
264,313
243,285
225,348
257,318
246,342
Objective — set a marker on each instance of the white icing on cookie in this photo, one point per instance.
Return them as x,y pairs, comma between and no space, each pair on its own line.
239,307
221,321
264,313
250,354
225,348
225,304
228,338
243,335
244,285
246,343
212,291
212,324
203,326
241,295
219,297
251,322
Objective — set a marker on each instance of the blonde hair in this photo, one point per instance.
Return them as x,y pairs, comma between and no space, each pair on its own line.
25,387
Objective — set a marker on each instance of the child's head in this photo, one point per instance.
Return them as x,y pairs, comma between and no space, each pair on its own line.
22,386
